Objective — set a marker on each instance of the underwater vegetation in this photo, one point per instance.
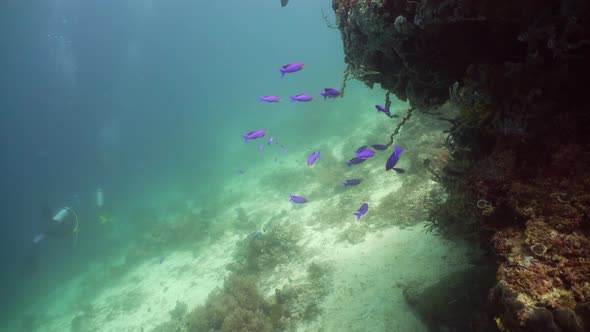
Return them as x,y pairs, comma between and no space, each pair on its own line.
262,251
189,230
515,173
240,306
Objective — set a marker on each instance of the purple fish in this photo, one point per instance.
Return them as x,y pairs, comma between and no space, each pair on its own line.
365,154
393,159
313,158
291,68
355,161
256,134
260,147
379,147
270,99
302,97
297,199
330,93
383,109
352,182
270,140
362,211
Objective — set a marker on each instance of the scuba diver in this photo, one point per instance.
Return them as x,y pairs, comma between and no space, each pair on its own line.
63,224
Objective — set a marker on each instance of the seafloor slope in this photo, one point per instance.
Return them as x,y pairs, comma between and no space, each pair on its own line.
519,153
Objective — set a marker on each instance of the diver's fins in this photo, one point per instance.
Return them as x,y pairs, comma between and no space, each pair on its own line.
284,2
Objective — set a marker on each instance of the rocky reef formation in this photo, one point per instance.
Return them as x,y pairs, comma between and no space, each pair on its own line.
517,170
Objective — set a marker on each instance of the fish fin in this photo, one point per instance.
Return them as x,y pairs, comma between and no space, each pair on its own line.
282,73
357,215
293,99
245,139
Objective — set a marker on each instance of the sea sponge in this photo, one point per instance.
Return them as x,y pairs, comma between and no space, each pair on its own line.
239,306
539,249
246,321
266,250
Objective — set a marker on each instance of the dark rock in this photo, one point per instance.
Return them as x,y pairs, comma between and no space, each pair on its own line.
568,320
456,303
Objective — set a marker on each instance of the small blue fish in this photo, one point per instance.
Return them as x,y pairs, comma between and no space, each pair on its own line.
256,134
383,109
330,93
379,147
270,140
365,154
260,147
162,259
303,97
240,171
355,161
362,211
313,158
393,159
292,67
270,99
352,182
276,159
297,199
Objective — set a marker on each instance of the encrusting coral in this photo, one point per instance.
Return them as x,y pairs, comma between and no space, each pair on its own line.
516,176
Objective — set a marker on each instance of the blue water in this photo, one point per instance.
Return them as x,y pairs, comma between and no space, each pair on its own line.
148,100
136,96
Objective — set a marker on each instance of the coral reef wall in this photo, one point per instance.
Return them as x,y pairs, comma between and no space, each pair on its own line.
518,165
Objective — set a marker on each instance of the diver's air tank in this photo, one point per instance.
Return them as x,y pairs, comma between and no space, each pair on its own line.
99,197
61,215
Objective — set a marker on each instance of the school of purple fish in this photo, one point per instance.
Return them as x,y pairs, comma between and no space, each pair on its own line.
363,153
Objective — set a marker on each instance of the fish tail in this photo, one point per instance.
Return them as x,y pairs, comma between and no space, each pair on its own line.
345,184
245,139
292,99
357,215
282,73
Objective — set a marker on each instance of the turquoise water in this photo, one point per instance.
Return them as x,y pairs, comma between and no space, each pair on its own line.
151,101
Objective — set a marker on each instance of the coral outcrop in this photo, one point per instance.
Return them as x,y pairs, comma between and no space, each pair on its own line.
516,174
